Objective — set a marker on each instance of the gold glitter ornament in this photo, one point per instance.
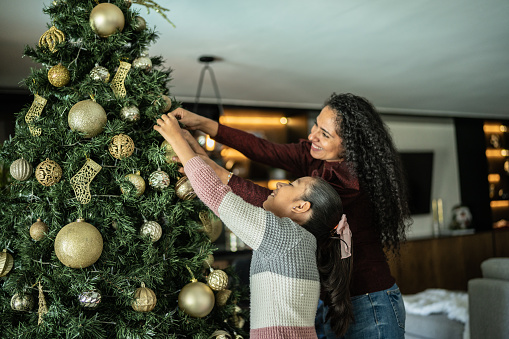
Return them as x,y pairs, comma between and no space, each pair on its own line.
87,117
33,113
117,84
100,73
222,297
212,226
138,182
144,299
106,19
140,24
184,189
143,62
48,172
130,113
151,229
159,180
121,146
38,230
21,169
90,299
78,244
81,180
22,302
217,280
51,38
6,263
59,75
170,153
166,107
196,299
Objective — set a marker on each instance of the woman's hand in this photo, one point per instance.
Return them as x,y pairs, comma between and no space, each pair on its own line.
193,121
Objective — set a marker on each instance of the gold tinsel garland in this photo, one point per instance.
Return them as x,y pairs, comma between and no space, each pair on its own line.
151,4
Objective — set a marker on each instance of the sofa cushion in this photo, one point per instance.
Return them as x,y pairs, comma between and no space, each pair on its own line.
495,268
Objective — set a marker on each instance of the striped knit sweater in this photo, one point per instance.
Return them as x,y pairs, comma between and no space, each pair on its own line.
284,278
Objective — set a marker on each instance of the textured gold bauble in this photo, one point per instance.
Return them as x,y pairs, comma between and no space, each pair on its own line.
78,244
222,297
151,229
143,62
159,180
121,146
167,106
48,172
90,299
22,302
140,24
184,189
106,19
38,230
21,169
217,280
87,117
212,226
170,153
100,73
220,334
51,38
196,299
6,263
138,182
130,113
59,75
144,299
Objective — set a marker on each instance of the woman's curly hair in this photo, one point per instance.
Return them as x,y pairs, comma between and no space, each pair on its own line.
369,149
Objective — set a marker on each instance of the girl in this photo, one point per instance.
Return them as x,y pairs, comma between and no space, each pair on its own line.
284,277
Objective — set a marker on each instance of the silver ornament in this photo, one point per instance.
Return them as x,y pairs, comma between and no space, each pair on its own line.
21,169
100,73
90,299
159,180
143,62
152,229
22,302
130,113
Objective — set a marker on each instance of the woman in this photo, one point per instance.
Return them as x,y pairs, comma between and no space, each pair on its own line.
350,147
285,283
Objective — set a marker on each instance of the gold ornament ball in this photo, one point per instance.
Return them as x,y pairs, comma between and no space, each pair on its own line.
87,117
159,180
106,19
137,181
59,75
217,280
143,62
100,73
90,299
130,113
184,189
220,334
140,24
144,299
222,297
167,105
6,263
196,299
78,244
151,229
212,226
21,169
38,230
48,172
121,146
22,302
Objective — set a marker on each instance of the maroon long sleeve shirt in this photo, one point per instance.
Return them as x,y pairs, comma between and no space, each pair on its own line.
371,271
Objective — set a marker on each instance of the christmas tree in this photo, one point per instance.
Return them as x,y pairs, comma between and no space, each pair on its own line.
102,237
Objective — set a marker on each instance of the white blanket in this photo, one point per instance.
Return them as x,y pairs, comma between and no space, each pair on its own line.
454,304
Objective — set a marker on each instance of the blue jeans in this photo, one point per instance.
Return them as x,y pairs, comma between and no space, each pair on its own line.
379,315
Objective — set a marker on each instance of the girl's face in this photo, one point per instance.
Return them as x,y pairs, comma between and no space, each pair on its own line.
325,142
286,196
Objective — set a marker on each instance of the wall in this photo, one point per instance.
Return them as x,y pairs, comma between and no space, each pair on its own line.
437,135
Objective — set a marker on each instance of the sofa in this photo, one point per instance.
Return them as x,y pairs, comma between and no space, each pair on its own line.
488,299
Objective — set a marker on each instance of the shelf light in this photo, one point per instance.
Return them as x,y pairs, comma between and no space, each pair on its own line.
497,153
499,203
493,178
210,144
494,128
266,121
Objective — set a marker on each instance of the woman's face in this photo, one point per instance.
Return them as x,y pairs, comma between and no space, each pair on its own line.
286,196
325,142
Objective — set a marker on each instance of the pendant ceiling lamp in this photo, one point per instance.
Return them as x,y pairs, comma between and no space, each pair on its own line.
207,60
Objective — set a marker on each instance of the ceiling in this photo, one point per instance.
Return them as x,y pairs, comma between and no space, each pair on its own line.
439,58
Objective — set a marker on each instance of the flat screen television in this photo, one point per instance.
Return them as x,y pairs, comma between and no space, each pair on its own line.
418,168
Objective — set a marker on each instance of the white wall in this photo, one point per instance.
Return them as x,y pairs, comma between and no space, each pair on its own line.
437,135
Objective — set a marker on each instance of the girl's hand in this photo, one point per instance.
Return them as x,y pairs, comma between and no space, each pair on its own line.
168,127
193,121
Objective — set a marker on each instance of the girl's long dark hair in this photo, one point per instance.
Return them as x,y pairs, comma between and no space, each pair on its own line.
335,273
370,151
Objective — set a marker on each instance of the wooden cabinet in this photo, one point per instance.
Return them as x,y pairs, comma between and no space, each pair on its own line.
446,262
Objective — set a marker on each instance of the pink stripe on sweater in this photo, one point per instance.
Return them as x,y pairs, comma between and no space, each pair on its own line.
286,332
206,184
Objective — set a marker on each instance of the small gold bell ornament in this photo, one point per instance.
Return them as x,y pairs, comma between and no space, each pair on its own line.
196,299
144,299
6,263
78,244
